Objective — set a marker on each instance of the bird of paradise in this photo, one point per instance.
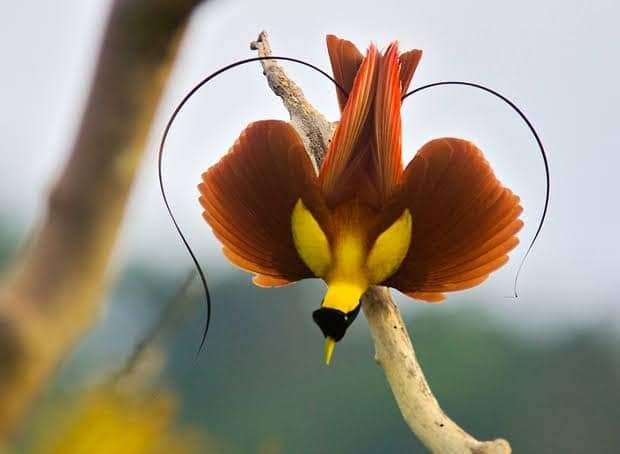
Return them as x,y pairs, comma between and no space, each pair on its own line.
441,224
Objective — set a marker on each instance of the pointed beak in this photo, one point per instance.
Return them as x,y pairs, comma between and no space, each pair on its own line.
330,344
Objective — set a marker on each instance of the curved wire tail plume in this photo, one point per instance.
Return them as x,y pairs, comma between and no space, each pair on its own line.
203,82
175,113
538,142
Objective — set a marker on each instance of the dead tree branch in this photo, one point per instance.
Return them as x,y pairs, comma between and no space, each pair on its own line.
312,126
394,350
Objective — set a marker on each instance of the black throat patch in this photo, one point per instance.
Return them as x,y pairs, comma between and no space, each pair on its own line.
334,323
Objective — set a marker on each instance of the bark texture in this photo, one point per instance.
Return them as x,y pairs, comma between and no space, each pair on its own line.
394,350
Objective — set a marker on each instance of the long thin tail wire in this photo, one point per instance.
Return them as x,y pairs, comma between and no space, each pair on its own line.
220,71
160,156
538,142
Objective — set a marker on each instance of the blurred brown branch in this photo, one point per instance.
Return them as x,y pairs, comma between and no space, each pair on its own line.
52,294
394,350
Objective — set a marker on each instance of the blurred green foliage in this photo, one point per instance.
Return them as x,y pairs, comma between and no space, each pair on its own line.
262,378
261,385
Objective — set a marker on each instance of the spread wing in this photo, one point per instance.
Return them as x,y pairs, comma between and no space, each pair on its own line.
248,199
464,221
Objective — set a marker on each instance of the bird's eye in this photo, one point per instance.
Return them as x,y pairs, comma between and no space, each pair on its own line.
350,316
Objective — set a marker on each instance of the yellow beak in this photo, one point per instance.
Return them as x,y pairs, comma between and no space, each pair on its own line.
330,344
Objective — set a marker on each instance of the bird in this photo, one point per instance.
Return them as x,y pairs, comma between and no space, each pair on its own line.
442,223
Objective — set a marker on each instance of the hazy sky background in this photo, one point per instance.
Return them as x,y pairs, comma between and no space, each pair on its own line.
558,60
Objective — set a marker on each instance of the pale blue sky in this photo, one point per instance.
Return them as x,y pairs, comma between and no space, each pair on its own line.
559,60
